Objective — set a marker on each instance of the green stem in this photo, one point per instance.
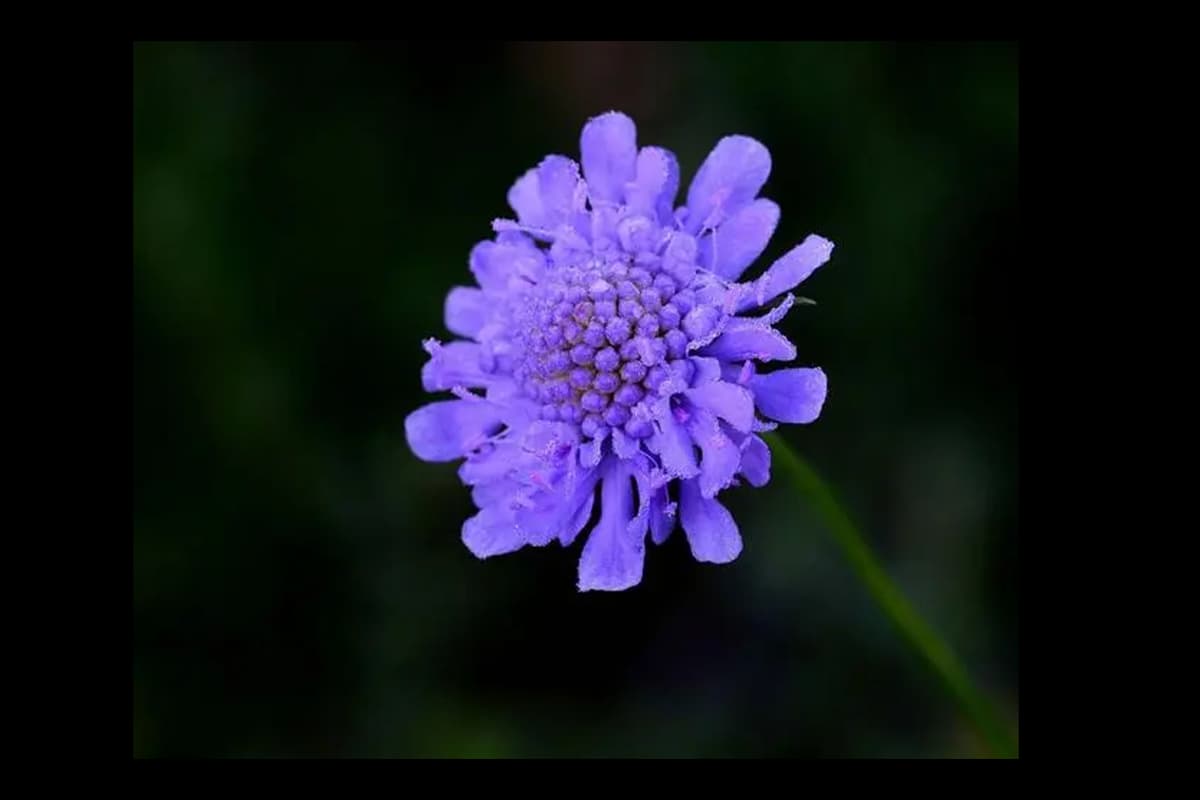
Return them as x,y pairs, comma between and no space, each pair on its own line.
915,630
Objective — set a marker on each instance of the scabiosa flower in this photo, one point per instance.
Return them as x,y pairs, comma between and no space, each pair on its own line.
611,350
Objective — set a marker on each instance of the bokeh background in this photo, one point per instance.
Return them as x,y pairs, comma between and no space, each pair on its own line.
300,590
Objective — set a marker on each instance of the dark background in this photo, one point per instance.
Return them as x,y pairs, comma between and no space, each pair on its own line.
299,585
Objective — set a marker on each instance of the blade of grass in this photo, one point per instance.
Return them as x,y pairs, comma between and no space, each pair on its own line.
916,632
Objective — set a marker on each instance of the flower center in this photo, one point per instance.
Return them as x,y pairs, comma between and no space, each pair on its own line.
599,337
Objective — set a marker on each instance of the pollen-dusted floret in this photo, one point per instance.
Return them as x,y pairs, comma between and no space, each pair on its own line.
610,350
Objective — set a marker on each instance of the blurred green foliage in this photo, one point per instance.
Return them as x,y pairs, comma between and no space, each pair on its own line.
299,585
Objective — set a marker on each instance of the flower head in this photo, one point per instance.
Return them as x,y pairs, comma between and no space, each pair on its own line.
609,349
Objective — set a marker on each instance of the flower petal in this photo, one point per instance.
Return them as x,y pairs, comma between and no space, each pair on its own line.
662,516
516,409
454,364
756,461
492,492
719,456
740,342
467,311
604,226
449,429
655,508
730,402
711,532
496,265
624,446
764,426
739,240
653,190
592,451
612,558
525,198
580,518
674,446
491,532
789,271
727,180
558,181
640,523
790,395
556,512
707,370
490,464
609,149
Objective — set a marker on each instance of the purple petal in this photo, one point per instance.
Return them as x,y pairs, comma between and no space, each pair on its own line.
640,523
448,429
493,492
556,512
711,531
491,532
652,192
652,499
579,519
490,464
739,240
727,180
612,558
467,311
490,267
730,402
591,452
604,224
707,370
558,180
739,373
756,461
454,364
624,446
525,198
497,264
789,271
609,148
662,516
741,342
679,259
675,447
776,314
763,426
719,456
550,441
790,395
516,409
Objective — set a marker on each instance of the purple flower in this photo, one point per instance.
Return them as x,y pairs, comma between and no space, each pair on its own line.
611,350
